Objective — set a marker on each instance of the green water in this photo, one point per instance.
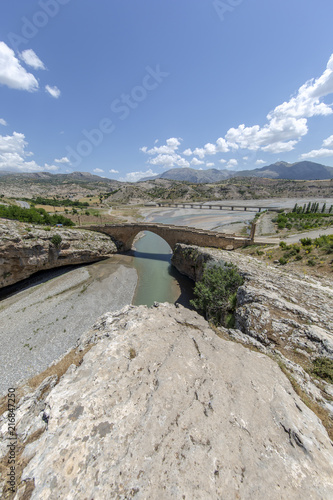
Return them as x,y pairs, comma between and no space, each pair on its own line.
158,281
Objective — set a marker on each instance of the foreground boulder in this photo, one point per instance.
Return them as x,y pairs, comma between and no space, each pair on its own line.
26,249
161,407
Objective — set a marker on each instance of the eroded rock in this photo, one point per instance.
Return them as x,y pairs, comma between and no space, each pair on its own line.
25,249
161,407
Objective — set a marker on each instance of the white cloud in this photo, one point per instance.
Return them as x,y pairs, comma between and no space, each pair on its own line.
169,161
3,122
170,147
223,161
307,101
64,160
187,152
12,73
31,59
13,155
98,170
210,165
195,162
317,153
51,168
53,91
328,143
112,171
286,124
260,162
136,176
222,145
280,147
325,150
232,163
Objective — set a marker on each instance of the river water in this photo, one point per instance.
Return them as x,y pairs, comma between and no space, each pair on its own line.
158,280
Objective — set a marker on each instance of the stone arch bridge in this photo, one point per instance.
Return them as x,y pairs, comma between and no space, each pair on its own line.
123,235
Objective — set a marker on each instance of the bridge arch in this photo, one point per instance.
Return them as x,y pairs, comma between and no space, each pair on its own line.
123,235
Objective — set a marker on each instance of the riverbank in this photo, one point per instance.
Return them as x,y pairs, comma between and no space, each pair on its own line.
39,324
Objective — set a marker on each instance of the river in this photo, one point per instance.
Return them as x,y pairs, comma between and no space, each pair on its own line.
158,280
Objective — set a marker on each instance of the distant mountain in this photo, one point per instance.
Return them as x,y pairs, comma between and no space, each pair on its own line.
302,170
77,177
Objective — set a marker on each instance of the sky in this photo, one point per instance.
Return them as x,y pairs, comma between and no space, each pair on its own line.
127,89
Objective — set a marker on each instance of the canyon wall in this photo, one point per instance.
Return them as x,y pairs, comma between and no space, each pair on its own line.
25,249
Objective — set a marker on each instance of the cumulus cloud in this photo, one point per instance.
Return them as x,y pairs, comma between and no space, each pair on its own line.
50,168
325,150
196,162
53,91
3,122
12,74
317,153
98,170
328,143
170,147
232,163
31,59
64,160
210,165
260,162
112,171
136,176
307,101
286,124
169,161
13,155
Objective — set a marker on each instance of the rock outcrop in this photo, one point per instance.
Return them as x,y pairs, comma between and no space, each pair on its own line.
25,249
161,407
278,312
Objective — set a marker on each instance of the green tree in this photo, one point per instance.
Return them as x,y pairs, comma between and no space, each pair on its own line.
216,292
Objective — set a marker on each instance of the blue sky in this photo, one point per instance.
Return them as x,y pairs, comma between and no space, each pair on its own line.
127,89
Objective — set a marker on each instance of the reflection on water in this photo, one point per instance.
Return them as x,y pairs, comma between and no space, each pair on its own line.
158,280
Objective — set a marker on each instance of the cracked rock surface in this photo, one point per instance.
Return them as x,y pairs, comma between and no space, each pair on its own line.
161,407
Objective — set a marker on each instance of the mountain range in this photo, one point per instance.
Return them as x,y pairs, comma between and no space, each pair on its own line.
302,170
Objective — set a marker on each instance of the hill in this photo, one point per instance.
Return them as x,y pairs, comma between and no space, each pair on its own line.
302,170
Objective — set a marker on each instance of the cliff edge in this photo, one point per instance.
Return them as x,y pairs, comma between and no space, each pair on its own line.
161,407
26,249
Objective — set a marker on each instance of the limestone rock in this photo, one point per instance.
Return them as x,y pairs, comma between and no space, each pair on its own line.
161,407
285,314
25,249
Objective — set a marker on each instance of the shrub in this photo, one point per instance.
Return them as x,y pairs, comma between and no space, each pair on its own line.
323,368
311,262
56,240
283,245
216,292
298,257
306,241
283,261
